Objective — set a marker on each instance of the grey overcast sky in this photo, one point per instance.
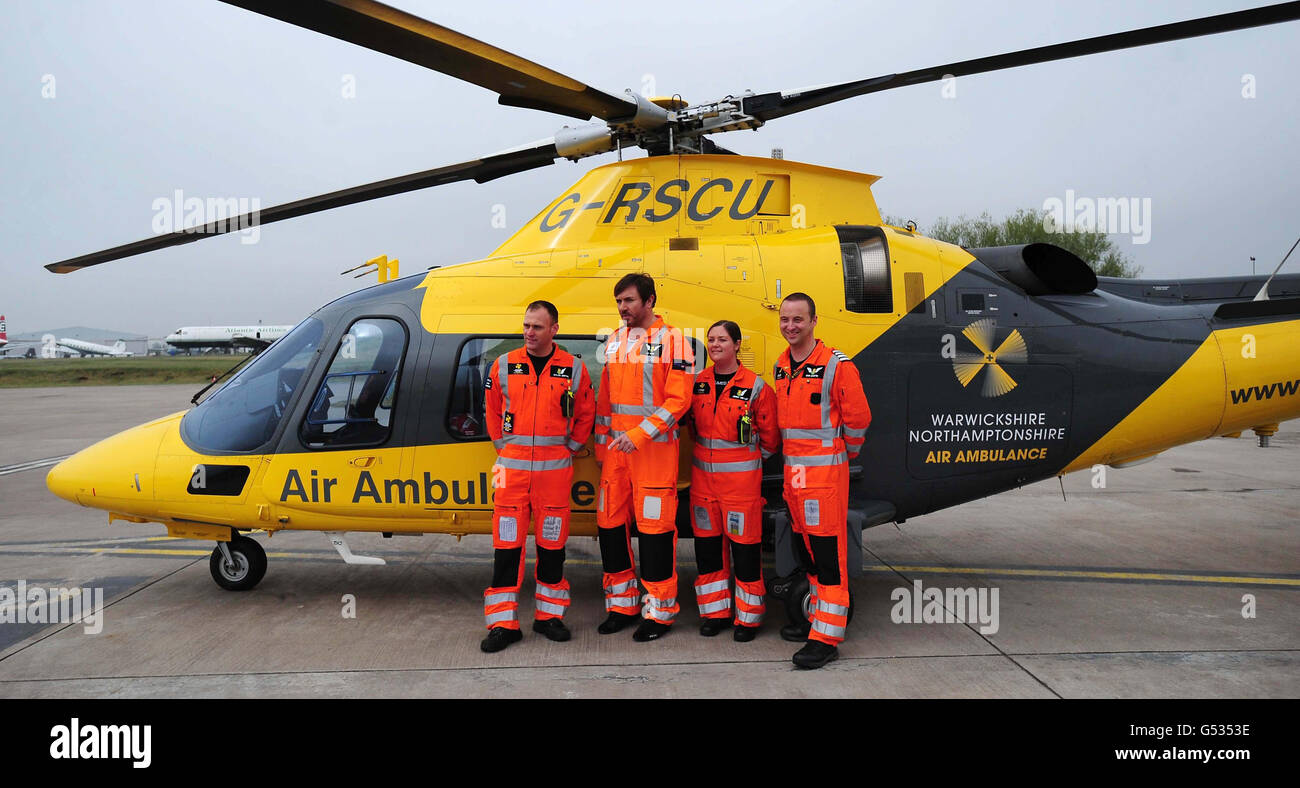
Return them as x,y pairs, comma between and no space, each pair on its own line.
153,96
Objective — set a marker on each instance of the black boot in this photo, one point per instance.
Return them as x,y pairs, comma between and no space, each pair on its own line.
616,622
743,634
650,630
553,629
712,626
815,654
499,638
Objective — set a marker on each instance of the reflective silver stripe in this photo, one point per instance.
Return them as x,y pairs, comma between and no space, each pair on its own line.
549,607
666,416
727,467
648,428
656,602
825,459
666,437
767,454
606,420
631,410
850,432
533,440
621,587
711,588
534,465
810,435
715,607
719,443
834,610
499,597
503,380
500,442
505,615
602,438
662,615
828,377
746,617
758,386
622,601
573,445
827,629
748,598
553,593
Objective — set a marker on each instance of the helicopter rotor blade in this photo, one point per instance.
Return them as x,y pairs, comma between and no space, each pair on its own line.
518,82
768,106
481,170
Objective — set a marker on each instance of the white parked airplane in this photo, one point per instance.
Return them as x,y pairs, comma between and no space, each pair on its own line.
91,349
225,336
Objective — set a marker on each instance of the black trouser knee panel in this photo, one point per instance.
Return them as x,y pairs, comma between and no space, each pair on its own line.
748,561
826,557
708,554
550,565
505,567
657,556
615,554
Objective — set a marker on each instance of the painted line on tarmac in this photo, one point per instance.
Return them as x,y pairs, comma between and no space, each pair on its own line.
32,465
1088,574
1044,573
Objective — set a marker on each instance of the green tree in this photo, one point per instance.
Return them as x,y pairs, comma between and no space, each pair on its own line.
1026,226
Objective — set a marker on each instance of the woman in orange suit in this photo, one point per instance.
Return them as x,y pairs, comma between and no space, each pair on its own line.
734,423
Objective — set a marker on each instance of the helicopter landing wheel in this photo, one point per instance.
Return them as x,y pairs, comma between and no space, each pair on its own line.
239,564
798,603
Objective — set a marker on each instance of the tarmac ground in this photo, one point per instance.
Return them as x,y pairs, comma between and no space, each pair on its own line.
1179,578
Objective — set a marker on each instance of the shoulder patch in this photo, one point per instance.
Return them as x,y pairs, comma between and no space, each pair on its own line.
487,382
839,355
701,387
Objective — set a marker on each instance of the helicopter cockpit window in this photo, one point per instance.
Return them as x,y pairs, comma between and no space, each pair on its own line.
243,414
466,416
354,404
866,276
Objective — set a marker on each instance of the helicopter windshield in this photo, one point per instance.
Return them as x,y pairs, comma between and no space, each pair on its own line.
243,414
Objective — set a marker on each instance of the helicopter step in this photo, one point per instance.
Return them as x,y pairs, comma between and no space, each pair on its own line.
348,556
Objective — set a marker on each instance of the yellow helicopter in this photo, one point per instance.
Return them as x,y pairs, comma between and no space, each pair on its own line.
986,369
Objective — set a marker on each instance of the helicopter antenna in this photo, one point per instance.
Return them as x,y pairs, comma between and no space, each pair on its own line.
1262,295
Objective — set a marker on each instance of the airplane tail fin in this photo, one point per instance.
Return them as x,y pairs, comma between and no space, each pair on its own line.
4,337
119,345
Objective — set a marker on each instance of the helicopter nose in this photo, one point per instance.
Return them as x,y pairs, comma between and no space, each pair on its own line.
113,473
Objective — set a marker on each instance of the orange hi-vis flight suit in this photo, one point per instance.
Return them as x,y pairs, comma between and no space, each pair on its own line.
823,415
533,474
726,484
645,391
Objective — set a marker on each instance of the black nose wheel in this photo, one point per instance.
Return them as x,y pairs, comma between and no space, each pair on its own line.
239,564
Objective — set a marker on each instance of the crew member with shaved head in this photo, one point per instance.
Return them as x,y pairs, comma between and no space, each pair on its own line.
540,409
645,391
823,414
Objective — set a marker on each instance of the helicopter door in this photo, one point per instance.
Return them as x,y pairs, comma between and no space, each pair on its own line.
347,456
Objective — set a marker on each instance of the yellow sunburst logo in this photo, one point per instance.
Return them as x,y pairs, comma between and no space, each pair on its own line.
968,365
